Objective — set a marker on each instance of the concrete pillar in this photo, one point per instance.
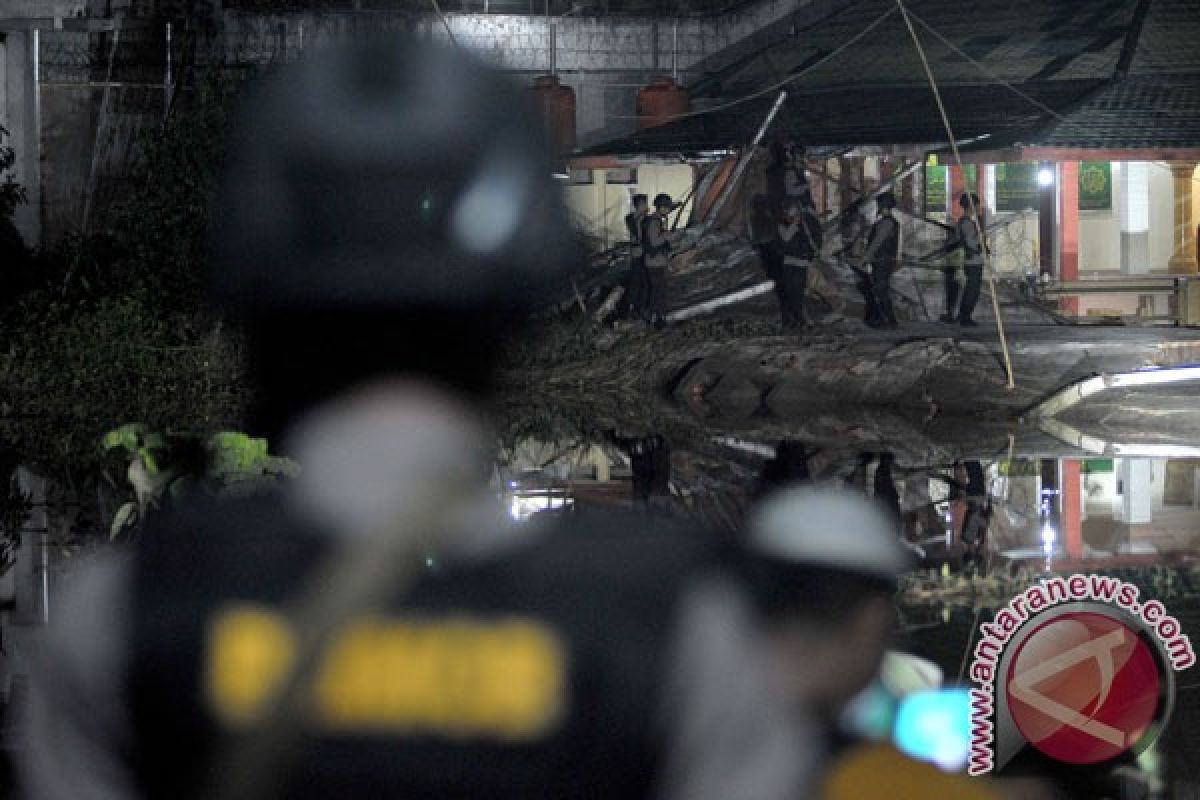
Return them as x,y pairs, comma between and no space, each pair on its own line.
957,181
981,186
1183,260
1137,501
19,116
1068,229
987,188
1047,222
1135,217
1071,514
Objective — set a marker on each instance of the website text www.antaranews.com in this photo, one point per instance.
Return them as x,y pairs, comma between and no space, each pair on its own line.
1046,594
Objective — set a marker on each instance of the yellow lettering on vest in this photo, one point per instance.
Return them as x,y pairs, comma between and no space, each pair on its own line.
452,677
251,651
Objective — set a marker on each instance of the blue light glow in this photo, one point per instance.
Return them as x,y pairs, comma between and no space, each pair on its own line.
935,726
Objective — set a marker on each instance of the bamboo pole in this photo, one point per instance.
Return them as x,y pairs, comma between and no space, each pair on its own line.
987,262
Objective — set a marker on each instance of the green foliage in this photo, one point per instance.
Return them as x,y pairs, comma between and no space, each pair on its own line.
114,328
160,467
236,458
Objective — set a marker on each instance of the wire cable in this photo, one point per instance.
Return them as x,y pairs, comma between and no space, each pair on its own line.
785,81
999,81
987,263
987,72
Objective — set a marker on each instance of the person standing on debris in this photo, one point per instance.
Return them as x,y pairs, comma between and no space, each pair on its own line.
800,243
883,248
657,248
638,281
969,236
795,174
851,223
776,190
295,644
787,178
764,235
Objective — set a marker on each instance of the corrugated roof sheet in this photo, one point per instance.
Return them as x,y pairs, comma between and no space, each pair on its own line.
1062,53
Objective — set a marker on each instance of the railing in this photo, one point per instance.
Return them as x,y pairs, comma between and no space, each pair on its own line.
1184,291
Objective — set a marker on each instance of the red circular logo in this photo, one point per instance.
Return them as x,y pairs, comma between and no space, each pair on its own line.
1083,687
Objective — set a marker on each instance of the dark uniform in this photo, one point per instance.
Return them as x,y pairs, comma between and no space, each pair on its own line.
799,243
638,288
658,257
764,234
883,248
787,179
967,236
977,517
502,677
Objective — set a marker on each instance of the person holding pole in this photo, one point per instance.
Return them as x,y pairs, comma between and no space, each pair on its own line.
969,235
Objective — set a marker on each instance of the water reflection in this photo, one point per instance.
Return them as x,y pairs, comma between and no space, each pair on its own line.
987,517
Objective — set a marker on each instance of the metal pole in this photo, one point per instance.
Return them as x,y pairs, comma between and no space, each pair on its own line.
743,163
553,48
654,44
167,77
96,145
675,51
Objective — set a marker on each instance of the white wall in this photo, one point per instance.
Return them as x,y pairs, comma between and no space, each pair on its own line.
604,59
1162,216
600,207
1100,235
1100,490
1100,232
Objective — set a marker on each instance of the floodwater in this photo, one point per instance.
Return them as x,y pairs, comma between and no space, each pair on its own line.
1128,509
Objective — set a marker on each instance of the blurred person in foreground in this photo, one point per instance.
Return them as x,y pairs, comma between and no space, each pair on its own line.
825,569
387,212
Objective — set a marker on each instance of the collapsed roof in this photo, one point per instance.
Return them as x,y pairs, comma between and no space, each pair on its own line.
1107,74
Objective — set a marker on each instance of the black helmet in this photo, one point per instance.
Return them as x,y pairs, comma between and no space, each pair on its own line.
967,200
388,174
886,200
387,205
663,200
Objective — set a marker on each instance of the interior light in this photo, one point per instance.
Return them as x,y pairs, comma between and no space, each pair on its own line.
1045,176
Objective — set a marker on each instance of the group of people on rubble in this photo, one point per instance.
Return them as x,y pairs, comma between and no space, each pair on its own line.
649,257
788,235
